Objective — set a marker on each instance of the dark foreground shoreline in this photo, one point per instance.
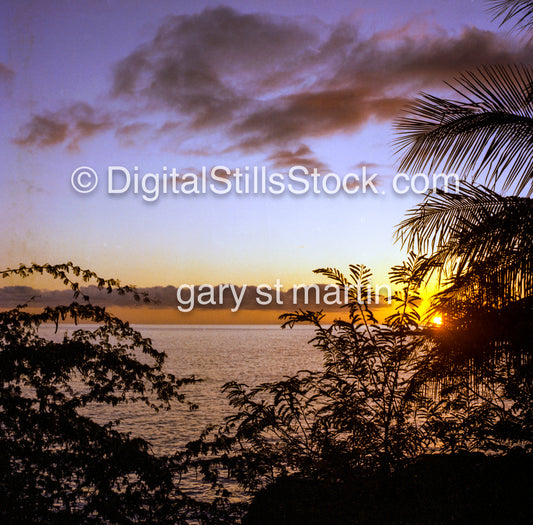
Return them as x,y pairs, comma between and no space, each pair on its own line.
463,488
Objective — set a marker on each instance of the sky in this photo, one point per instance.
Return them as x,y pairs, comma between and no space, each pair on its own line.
170,87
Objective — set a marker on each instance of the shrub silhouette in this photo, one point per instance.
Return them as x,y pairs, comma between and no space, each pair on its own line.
56,464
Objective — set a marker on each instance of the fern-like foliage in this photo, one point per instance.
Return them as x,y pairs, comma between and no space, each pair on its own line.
356,414
383,396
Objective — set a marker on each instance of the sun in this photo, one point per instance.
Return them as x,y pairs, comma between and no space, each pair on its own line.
437,320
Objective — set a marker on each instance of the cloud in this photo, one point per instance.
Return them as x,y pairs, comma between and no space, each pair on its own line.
407,58
264,83
6,73
301,156
129,134
207,66
367,165
69,125
314,114
167,297
11,296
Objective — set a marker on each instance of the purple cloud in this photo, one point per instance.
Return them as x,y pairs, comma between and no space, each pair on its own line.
266,83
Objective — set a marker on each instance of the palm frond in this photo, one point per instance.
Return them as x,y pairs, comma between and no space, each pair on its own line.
430,224
489,131
480,241
503,239
519,11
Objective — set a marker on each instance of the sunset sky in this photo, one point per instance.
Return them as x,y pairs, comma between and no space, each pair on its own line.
187,84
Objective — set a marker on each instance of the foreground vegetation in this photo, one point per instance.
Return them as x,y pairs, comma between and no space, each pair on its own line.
394,428
57,465
405,423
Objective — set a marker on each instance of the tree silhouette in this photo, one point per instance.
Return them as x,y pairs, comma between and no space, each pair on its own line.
480,241
57,465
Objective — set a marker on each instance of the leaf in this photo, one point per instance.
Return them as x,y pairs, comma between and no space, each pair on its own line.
489,133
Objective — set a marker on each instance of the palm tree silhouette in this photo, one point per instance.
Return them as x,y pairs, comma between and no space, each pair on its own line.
489,131
481,241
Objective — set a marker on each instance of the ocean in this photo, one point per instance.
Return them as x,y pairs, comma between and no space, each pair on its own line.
216,354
